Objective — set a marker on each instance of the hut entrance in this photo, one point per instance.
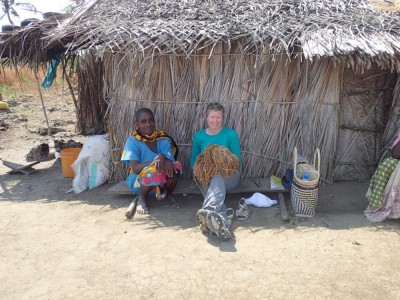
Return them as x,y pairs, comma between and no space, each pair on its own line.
364,112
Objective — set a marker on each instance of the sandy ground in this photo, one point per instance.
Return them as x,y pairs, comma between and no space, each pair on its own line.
58,245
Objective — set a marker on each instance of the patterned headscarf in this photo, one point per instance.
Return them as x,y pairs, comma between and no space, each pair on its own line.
156,135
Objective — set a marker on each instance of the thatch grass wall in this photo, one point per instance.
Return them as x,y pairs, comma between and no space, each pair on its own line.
92,107
273,105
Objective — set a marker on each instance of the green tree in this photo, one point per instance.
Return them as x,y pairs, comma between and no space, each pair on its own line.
8,8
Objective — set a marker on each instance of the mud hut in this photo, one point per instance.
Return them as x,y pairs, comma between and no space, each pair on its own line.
300,73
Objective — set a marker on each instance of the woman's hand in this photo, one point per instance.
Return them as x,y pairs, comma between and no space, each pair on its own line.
159,162
163,164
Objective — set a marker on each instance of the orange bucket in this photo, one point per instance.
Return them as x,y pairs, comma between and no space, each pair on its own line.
68,157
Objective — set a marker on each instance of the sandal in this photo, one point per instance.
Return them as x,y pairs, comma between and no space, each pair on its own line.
243,211
229,213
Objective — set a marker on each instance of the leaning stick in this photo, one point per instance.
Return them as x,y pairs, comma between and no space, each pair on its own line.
132,208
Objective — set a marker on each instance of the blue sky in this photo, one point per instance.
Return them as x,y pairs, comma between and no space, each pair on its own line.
41,5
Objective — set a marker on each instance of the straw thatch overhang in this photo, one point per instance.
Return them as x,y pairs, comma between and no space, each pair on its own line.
348,30
28,45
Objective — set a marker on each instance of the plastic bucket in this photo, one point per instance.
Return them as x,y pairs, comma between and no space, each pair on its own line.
68,157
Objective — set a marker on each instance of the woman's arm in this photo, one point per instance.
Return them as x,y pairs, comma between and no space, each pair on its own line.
160,162
164,160
131,155
137,166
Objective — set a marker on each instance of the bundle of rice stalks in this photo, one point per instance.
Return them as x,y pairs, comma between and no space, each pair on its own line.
215,160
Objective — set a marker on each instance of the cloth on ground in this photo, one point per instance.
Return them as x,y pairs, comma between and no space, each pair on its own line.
260,200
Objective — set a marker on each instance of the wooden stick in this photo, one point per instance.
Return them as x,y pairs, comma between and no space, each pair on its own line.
130,213
41,100
71,90
282,205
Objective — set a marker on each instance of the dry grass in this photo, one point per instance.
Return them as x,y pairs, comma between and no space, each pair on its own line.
319,28
215,160
13,77
19,80
392,6
23,78
16,84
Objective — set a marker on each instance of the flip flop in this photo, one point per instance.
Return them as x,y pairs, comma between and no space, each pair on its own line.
230,212
242,212
217,225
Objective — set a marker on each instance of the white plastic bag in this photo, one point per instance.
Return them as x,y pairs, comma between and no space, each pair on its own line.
260,200
92,165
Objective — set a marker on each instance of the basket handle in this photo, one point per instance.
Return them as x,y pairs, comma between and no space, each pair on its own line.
317,159
295,161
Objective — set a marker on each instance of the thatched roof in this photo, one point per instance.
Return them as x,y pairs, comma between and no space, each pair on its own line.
354,29
27,45
314,28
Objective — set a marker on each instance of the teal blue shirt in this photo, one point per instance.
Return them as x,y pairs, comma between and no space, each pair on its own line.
227,138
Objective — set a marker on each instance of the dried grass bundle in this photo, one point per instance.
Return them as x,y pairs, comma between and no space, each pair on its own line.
215,160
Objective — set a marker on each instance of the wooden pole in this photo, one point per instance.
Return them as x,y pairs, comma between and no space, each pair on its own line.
41,100
71,90
282,205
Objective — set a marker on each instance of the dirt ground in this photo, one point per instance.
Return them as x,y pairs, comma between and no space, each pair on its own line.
58,245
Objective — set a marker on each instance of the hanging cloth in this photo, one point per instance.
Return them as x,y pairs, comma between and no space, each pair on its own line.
51,73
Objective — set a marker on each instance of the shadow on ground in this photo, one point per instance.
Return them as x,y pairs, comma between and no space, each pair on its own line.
340,205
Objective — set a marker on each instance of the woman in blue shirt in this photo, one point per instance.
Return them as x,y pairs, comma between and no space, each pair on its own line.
214,215
151,155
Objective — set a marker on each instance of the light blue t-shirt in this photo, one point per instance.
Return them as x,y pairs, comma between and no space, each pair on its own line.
138,150
227,137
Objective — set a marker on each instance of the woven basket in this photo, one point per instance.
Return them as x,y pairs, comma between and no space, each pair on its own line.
304,193
304,200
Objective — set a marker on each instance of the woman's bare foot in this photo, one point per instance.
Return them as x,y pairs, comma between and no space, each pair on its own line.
141,207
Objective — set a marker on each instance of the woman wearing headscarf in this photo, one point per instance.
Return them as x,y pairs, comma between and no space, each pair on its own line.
151,156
